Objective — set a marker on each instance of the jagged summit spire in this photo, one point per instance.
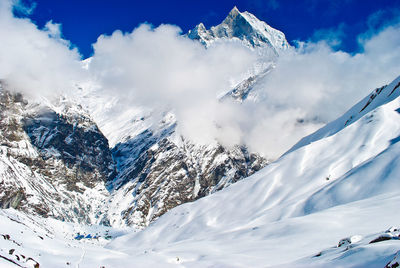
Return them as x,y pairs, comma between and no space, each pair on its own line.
242,26
200,26
235,11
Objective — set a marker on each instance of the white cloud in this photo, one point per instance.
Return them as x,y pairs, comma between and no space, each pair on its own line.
310,85
317,84
33,61
162,70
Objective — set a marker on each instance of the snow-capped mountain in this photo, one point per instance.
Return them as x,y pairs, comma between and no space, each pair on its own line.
57,163
85,183
242,26
158,168
331,202
247,29
141,165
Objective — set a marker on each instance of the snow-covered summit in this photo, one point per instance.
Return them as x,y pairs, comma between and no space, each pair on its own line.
245,27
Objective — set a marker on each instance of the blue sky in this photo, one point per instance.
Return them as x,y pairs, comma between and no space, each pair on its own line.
344,20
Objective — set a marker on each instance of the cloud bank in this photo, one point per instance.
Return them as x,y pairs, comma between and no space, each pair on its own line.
162,70
311,85
33,61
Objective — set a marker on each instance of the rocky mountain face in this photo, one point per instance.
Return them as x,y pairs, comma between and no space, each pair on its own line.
171,172
242,26
56,162
52,164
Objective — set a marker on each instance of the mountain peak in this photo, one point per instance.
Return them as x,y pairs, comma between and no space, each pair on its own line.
245,27
200,26
234,17
198,33
234,12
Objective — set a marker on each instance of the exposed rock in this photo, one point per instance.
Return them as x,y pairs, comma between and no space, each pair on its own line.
56,163
48,161
172,173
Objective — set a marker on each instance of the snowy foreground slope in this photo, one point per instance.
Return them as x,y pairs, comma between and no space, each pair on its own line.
159,167
329,203
299,207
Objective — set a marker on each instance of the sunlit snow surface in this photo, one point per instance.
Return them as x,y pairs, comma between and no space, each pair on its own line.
320,205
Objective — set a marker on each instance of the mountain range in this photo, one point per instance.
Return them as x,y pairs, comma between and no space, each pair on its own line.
119,174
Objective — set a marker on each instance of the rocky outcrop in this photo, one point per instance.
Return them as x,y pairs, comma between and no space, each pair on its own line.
170,173
49,161
76,141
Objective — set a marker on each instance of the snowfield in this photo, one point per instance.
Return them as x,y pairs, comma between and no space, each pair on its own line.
332,201
304,203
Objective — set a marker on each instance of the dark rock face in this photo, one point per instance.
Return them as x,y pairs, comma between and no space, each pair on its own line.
48,160
84,148
10,134
169,174
131,156
58,164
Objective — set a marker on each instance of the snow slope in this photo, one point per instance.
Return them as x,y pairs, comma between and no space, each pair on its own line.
26,241
330,203
376,98
296,208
